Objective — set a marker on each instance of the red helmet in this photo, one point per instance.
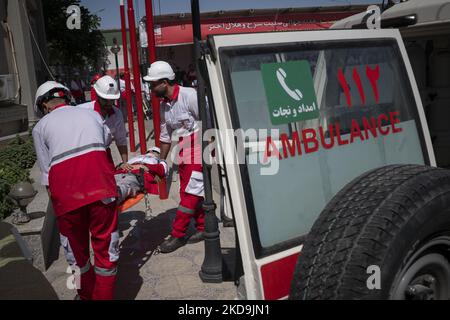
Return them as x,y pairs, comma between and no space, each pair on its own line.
95,78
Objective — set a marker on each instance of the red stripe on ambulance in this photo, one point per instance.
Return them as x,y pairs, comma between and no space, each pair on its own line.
277,277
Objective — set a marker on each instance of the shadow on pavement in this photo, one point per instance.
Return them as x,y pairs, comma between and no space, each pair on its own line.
19,279
137,247
231,267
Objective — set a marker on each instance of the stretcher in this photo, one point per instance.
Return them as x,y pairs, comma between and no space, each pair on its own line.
150,187
130,202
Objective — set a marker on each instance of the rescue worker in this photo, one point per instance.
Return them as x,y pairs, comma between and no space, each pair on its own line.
107,93
78,87
124,96
191,75
71,154
179,113
122,86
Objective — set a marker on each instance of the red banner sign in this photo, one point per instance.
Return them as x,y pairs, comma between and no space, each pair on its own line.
173,33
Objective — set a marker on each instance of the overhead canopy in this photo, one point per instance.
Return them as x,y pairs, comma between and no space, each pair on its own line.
170,33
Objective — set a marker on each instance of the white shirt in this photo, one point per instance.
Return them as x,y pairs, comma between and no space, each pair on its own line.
179,116
71,153
114,122
54,140
122,85
146,89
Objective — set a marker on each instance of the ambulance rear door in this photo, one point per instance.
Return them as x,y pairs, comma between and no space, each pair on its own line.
326,107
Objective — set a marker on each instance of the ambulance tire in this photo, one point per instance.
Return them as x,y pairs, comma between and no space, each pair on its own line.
386,235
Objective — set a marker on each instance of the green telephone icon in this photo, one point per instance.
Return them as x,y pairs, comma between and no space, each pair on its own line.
295,94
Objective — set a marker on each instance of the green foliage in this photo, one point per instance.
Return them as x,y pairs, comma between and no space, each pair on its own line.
76,48
20,152
15,161
6,204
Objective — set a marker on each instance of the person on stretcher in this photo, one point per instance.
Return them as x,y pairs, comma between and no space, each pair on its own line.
143,177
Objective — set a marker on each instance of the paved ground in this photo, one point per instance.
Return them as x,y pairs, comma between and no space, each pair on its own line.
146,275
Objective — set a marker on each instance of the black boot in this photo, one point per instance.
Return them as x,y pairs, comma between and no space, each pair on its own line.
171,244
227,222
196,237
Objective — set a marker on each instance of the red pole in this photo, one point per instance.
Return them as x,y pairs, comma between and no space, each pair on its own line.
127,78
150,30
155,101
137,78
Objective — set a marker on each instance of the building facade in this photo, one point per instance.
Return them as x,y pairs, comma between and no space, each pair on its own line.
173,32
22,68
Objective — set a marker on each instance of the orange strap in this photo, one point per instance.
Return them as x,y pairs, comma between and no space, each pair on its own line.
130,202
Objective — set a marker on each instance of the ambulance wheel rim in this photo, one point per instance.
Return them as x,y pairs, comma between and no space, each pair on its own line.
426,276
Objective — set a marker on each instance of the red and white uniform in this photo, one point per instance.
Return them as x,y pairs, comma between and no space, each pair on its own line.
123,91
77,88
114,122
179,120
71,153
122,88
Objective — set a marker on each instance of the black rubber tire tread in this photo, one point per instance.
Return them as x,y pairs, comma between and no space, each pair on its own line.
363,225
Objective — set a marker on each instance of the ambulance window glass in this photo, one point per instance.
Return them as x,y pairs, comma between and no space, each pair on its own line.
367,118
248,91
369,75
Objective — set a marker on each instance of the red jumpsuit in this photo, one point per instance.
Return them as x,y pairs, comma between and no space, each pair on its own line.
180,114
72,158
114,122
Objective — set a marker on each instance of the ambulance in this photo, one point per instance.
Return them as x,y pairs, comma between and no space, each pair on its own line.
332,149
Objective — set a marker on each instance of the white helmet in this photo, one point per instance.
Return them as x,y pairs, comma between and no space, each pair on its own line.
106,87
159,70
49,90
